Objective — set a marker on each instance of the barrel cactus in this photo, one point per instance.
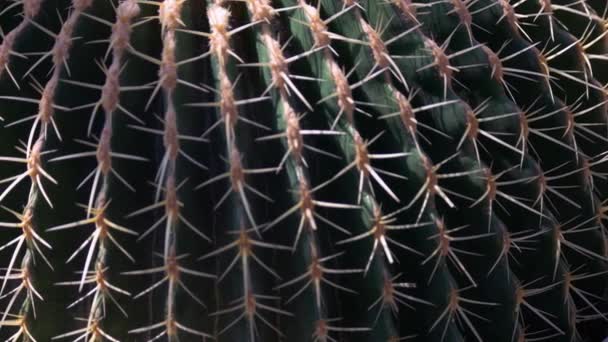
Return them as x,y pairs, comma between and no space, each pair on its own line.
304,170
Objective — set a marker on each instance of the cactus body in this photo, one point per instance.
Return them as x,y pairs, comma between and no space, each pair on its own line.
304,170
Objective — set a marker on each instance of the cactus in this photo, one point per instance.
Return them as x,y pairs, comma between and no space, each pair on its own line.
304,170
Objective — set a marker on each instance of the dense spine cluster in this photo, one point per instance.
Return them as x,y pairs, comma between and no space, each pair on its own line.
304,170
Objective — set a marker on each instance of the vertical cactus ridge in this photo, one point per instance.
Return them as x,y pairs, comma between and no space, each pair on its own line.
34,149
493,193
96,270
345,111
171,16
253,307
303,170
584,84
30,10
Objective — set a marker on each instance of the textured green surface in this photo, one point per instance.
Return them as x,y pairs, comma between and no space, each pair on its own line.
296,170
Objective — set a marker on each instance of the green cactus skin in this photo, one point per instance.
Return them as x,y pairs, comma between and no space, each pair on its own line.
304,170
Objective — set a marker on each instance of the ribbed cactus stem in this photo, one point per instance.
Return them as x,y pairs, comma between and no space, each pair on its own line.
34,148
430,187
251,302
372,170
110,97
100,196
31,8
59,55
219,47
307,224
278,64
169,15
30,238
362,162
221,51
